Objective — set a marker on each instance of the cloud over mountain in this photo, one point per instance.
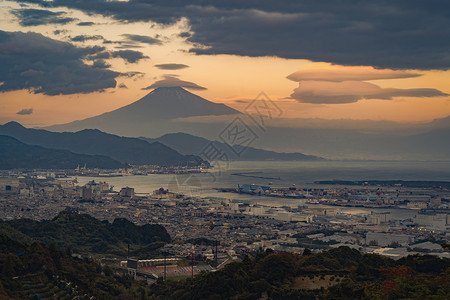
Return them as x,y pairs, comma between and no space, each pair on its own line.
43,65
172,81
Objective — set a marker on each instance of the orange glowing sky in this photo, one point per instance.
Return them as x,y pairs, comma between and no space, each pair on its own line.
230,79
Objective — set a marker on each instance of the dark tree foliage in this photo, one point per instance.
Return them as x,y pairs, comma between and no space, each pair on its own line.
343,273
307,252
426,263
39,272
271,275
87,235
335,259
369,266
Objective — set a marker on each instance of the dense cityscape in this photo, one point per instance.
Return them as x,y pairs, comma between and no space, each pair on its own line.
243,226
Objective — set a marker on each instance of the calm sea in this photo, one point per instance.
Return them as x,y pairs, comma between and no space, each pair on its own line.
281,174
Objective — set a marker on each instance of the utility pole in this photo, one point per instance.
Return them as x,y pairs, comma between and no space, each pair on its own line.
192,269
216,254
165,268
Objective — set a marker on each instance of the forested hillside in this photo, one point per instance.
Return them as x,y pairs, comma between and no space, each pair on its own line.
39,272
340,273
87,235
47,268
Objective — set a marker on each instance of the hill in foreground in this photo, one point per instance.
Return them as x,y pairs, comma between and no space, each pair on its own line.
45,272
340,273
37,271
87,235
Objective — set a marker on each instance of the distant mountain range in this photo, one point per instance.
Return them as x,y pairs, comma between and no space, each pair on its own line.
433,144
17,155
95,142
439,123
172,110
189,144
152,115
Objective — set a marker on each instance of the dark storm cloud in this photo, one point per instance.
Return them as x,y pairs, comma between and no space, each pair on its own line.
34,17
83,38
42,3
130,56
43,65
142,39
171,81
171,66
383,34
25,111
388,34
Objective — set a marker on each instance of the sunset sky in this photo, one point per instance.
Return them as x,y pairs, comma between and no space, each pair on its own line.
65,60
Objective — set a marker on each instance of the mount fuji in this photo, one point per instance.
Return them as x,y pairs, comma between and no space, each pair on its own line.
152,115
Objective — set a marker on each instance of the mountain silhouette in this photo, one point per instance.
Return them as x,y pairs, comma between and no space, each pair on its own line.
96,142
151,115
16,155
190,144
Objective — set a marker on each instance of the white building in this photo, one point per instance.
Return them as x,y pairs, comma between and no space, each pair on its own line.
386,238
438,221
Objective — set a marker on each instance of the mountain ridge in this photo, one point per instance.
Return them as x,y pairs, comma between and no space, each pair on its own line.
96,142
189,144
17,155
